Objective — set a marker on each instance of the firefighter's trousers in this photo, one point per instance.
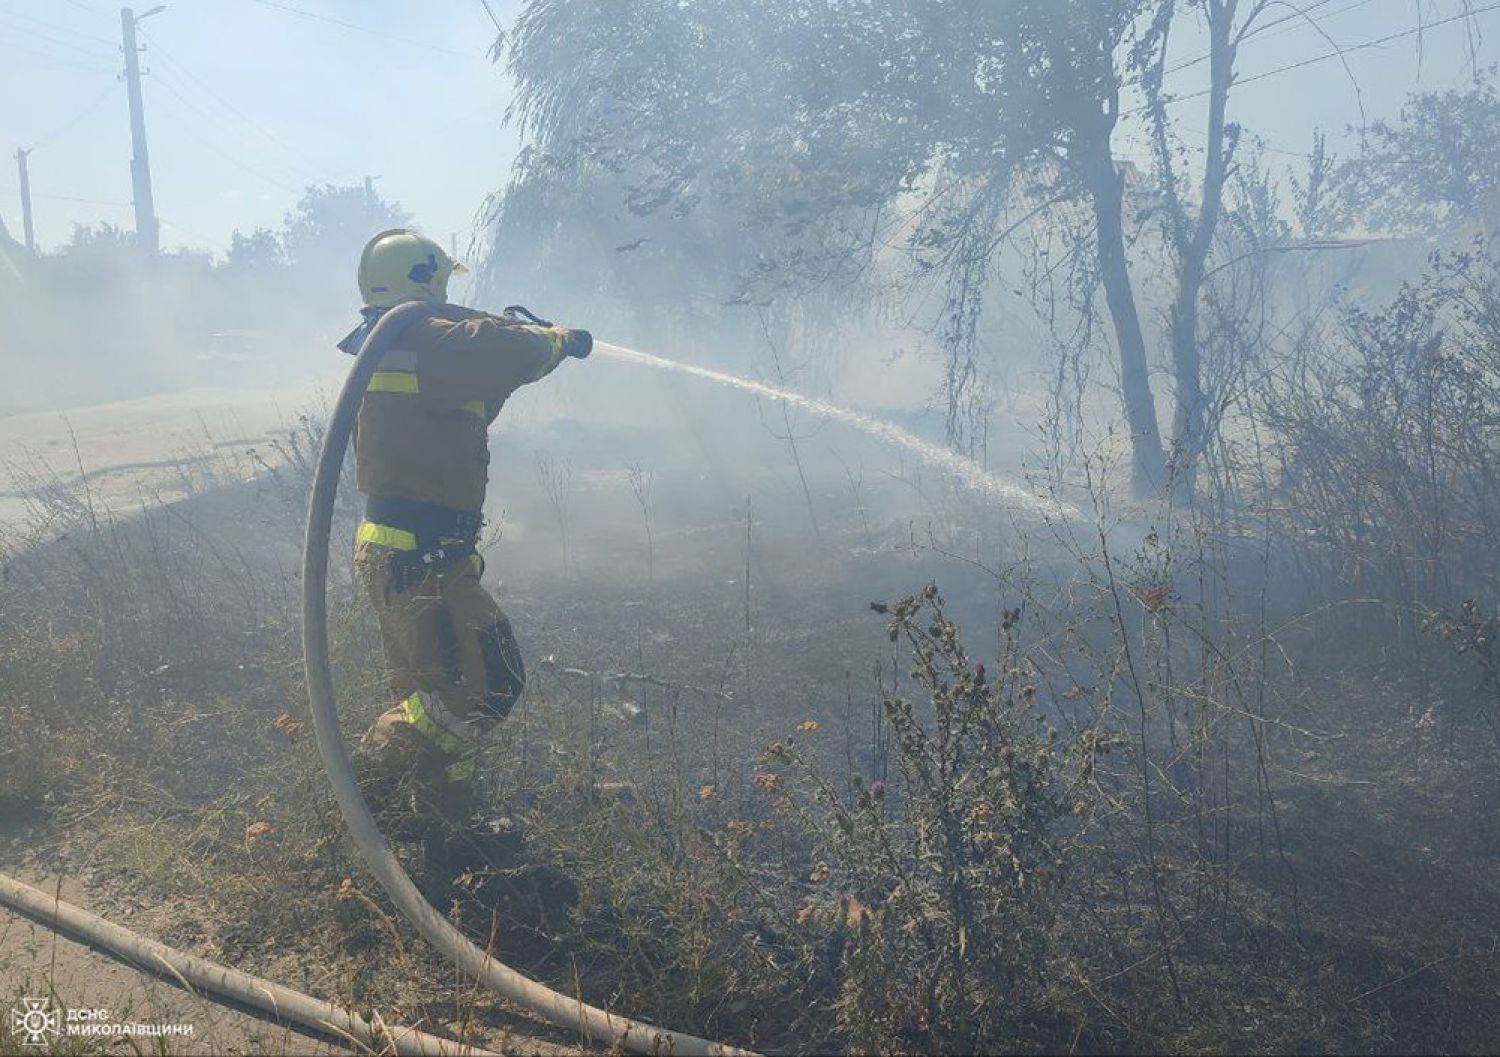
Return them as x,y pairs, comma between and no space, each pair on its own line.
454,670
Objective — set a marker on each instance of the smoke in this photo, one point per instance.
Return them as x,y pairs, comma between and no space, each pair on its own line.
963,469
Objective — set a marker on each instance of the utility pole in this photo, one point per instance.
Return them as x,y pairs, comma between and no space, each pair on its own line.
21,153
147,233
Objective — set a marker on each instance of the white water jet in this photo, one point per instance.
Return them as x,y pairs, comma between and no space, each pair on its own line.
966,470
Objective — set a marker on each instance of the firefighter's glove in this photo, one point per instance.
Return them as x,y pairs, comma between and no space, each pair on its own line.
577,343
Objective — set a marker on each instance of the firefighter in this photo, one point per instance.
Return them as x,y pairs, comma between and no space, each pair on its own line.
421,459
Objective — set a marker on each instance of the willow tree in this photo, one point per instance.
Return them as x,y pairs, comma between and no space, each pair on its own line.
790,139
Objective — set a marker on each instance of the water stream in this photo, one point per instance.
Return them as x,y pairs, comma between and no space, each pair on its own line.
965,470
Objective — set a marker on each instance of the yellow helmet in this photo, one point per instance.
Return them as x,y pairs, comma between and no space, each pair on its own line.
400,265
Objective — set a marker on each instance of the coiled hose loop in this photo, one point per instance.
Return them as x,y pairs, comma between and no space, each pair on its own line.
597,1025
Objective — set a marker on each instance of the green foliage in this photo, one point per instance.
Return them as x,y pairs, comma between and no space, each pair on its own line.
950,877
949,900
1319,209
765,153
911,913
1390,434
259,250
798,120
330,226
1434,169
96,320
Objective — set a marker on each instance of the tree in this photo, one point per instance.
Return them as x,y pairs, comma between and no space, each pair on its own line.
323,236
307,266
822,125
326,230
107,243
1320,211
1435,169
258,251
1190,234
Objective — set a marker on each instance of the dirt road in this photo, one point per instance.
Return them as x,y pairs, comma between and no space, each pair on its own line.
133,451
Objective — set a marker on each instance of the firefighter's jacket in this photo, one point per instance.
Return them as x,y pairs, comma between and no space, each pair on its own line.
422,429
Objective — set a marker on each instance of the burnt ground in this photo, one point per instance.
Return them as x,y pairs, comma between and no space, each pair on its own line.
1379,882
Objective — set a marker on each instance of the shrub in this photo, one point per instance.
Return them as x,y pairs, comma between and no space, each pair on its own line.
909,911
1392,465
949,875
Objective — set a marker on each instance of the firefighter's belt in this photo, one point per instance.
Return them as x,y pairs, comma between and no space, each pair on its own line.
426,537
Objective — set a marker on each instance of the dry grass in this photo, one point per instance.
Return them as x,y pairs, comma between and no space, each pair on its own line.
1165,816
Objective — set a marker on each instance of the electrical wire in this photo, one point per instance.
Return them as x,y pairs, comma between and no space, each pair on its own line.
75,119
211,145
1363,46
85,201
491,12
1266,27
316,17
47,40
308,165
58,59
202,238
108,42
1294,15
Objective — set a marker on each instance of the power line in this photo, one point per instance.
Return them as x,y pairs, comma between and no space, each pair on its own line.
211,145
123,205
1366,45
1258,141
55,27
85,201
58,59
1298,14
491,12
188,231
57,43
1266,27
308,165
75,119
314,16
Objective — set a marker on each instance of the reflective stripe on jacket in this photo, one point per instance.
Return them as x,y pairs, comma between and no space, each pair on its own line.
422,429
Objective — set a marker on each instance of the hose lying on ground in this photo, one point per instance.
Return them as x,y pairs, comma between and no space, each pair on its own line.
190,971
597,1025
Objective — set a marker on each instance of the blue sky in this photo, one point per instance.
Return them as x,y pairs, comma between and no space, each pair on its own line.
246,103
250,100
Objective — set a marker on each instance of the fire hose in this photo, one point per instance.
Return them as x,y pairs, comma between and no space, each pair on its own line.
597,1025
282,1003
192,972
